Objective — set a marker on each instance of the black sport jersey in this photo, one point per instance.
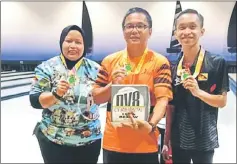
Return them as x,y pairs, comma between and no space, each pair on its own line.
194,124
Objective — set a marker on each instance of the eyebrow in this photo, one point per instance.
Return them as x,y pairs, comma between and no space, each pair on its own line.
187,23
68,38
137,23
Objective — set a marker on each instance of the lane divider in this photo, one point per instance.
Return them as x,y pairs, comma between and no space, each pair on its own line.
14,86
14,96
232,88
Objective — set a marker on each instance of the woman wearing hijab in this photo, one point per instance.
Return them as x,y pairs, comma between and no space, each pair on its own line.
69,131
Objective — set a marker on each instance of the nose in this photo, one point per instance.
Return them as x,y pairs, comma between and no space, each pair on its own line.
73,44
134,29
187,31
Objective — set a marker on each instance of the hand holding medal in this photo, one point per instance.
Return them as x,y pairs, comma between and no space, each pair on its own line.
62,88
189,82
192,85
185,73
118,75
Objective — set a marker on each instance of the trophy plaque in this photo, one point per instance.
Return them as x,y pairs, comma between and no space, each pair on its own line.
126,99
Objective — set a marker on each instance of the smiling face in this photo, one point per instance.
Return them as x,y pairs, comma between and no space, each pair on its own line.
188,29
136,29
73,45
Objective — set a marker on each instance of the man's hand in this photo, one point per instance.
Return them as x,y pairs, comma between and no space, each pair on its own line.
141,125
118,76
165,152
191,84
62,87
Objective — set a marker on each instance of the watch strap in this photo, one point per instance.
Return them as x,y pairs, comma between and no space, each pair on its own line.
153,126
56,95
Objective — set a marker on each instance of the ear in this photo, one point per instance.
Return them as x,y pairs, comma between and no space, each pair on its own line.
150,32
202,31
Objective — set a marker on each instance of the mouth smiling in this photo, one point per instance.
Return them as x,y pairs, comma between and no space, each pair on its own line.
134,38
72,52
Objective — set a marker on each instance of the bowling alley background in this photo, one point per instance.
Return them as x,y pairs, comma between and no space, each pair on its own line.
30,30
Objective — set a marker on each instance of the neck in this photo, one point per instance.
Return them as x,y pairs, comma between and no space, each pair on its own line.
190,53
70,63
136,50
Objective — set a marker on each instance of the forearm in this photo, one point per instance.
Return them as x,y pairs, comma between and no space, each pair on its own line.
102,95
218,101
47,99
169,116
159,110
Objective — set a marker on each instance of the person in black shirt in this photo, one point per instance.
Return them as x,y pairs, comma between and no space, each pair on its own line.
200,86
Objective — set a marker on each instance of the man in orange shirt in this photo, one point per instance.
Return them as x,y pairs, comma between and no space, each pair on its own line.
134,142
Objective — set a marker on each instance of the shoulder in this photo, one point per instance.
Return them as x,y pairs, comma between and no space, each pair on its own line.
159,59
215,59
91,63
50,63
158,56
112,57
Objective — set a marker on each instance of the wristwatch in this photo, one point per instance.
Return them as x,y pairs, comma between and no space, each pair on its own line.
153,127
56,95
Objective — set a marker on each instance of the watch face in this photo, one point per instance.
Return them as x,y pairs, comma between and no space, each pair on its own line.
55,91
56,95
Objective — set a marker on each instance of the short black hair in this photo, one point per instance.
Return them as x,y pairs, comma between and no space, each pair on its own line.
190,11
138,10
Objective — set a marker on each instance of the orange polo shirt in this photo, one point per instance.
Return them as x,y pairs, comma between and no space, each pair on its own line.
155,72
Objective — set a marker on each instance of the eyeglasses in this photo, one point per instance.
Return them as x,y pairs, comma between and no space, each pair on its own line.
139,27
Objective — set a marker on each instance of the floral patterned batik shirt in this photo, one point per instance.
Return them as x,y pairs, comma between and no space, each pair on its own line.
72,120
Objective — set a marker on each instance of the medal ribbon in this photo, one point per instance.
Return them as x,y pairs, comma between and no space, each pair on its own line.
138,67
197,67
76,66
72,73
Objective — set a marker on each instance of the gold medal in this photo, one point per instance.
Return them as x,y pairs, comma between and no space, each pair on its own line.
185,72
71,80
128,66
72,73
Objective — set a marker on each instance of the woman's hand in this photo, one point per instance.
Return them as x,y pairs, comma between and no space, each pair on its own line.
62,87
